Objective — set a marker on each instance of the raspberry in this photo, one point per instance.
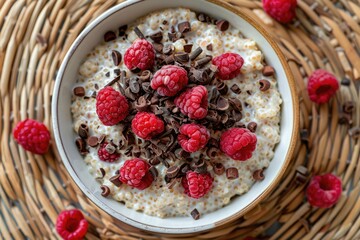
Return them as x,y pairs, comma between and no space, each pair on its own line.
32,136
324,191
281,10
193,137
140,54
322,86
196,185
193,102
147,125
135,173
106,155
71,225
238,143
111,106
229,65
169,80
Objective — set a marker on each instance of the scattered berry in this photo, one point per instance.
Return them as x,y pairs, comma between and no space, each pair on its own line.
140,54
146,125
108,154
238,143
169,80
322,86
111,106
196,185
281,10
229,65
193,102
135,173
71,225
32,136
193,137
324,191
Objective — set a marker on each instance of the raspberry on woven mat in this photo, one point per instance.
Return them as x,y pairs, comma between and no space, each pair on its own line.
111,106
33,136
193,102
169,80
324,191
238,143
322,85
107,153
281,10
71,225
193,137
140,54
196,185
229,65
147,125
135,173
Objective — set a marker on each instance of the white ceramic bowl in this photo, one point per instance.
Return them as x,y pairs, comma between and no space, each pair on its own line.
64,135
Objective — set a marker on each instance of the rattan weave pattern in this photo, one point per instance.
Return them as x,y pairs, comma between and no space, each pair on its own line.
34,37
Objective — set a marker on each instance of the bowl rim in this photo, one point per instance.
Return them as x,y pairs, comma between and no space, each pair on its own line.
268,189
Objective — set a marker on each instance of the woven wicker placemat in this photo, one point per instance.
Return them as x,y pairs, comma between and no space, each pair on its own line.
34,37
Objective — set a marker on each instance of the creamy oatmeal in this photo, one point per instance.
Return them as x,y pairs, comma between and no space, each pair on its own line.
259,107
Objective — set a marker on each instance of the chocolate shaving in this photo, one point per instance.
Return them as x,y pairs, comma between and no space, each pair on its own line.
354,132
154,172
113,81
195,214
201,62
168,48
139,33
181,57
79,91
117,71
146,87
157,37
134,85
102,171
195,53
110,148
135,70
83,130
222,88
268,71
236,104
264,85
232,173
154,161
213,142
345,82
235,89
172,171
158,47
258,175
218,168
145,76
101,138
348,107
116,180
170,59
188,47
252,126
92,141
93,94
107,74
198,76
211,152
116,57
109,36
209,47
171,182
301,175
122,30
222,104
130,94
81,146
345,118
105,190
174,36
222,25
184,27
142,104
224,118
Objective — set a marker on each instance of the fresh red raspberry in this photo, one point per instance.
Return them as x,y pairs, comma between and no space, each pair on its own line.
324,190
111,106
322,85
229,65
135,173
71,225
169,80
104,154
196,185
146,125
32,136
281,10
238,143
193,102
140,54
193,137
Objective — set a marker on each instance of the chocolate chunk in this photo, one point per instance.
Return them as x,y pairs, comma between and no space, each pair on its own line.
168,48
105,190
211,152
354,132
165,22
142,104
134,85
172,171
232,173
222,25
113,81
252,126
264,85
348,107
201,62
235,89
188,47
212,116
258,175
304,135
145,76
345,82
170,59
83,130
79,91
195,214
222,88
130,94
146,87
184,27
122,30
212,71
154,161
116,57
158,47
181,57
301,175
116,180
102,172
157,37
139,33
209,47
268,71
107,74
174,36
93,94
194,54
135,70
202,17
222,104
154,172
236,104
199,76
345,118
117,71
81,145
109,36
218,168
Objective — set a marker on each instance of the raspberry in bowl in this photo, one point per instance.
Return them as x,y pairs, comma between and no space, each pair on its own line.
174,115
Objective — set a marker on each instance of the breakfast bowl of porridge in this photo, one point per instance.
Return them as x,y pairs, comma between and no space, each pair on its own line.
175,116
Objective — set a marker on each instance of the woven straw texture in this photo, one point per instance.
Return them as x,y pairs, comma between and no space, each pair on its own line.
34,37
